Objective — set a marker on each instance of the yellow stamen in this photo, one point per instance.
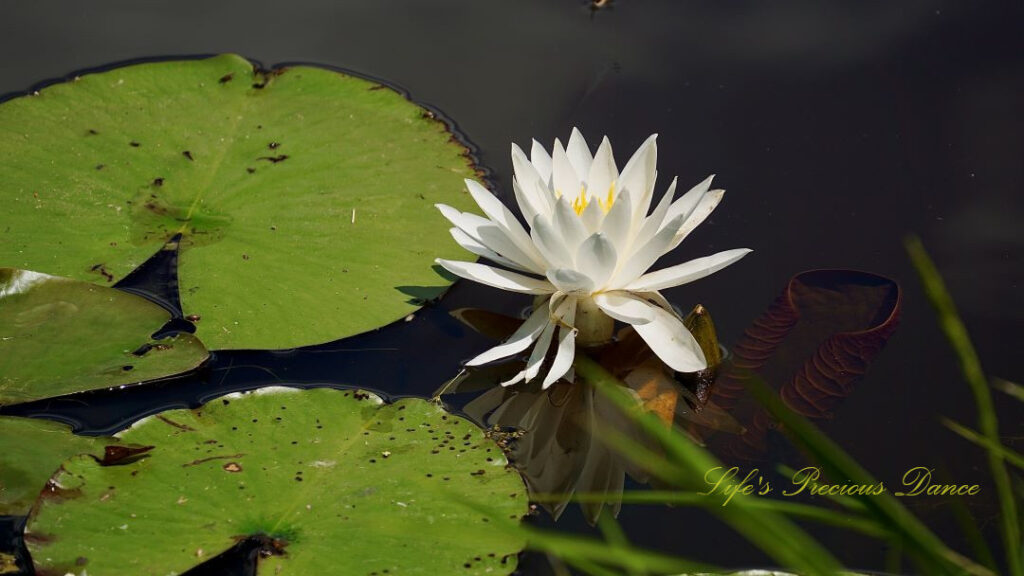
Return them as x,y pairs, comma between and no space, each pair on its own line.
582,200
580,203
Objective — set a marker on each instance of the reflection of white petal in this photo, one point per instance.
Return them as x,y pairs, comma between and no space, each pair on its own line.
672,342
566,346
570,281
624,307
519,340
541,161
563,176
596,259
602,172
686,272
501,216
474,246
579,154
497,277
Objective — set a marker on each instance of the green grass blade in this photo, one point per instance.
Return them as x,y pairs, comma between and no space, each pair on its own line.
970,365
922,545
771,532
1008,454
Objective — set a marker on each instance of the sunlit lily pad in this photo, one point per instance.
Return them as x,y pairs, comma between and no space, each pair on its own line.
331,481
59,336
304,196
30,452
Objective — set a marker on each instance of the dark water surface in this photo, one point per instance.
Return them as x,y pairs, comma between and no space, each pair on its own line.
836,127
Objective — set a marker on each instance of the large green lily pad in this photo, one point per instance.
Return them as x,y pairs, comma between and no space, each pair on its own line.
334,482
59,336
304,196
30,451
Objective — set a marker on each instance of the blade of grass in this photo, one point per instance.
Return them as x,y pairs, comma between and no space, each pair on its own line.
771,532
1008,454
698,499
1007,387
970,365
922,545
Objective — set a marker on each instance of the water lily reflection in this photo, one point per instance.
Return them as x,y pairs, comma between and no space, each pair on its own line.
593,235
564,434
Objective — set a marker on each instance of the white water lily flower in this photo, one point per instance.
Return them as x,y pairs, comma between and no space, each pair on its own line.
592,237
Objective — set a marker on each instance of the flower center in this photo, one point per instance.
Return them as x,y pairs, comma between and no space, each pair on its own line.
582,200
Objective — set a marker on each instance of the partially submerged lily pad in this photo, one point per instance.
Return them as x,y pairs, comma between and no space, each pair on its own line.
30,451
331,481
59,336
303,195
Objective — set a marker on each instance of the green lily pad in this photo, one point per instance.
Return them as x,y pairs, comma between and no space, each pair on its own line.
59,336
30,451
332,481
304,196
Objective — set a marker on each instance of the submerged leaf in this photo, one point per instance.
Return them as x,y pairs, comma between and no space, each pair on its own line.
325,481
813,344
30,450
59,336
303,195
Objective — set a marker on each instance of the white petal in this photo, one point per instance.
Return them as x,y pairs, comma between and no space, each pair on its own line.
592,217
645,256
686,272
569,226
579,153
551,245
541,161
596,259
515,379
618,223
687,202
602,172
501,216
672,342
474,246
704,209
638,174
526,205
624,307
497,277
534,184
653,223
564,178
570,281
495,238
540,350
465,221
519,340
566,346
